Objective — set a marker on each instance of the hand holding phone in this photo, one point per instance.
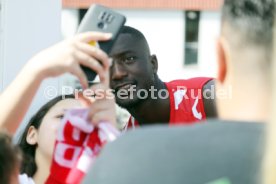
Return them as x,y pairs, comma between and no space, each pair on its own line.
101,19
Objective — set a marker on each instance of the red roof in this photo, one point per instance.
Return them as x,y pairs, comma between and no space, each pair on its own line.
148,4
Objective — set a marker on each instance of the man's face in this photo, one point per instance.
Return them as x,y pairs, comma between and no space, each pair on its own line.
132,70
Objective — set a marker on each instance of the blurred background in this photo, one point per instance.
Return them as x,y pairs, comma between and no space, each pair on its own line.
182,33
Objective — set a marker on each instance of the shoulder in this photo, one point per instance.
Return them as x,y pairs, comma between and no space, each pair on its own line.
197,82
216,135
208,128
213,137
200,149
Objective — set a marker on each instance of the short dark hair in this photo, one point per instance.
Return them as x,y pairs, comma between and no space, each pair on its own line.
135,32
138,35
29,166
252,19
10,158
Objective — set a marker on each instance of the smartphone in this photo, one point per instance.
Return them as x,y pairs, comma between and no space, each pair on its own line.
101,19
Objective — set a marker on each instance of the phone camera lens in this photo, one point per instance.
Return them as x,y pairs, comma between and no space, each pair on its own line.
101,25
109,18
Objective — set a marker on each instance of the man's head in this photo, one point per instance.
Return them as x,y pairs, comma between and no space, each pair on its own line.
246,32
133,67
245,47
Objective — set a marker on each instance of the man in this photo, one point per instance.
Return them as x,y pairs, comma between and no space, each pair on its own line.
226,151
148,99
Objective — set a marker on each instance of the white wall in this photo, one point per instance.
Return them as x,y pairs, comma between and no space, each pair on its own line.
70,22
164,31
28,27
209,32
1,43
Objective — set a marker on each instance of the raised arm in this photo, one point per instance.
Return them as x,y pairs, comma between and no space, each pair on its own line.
63,57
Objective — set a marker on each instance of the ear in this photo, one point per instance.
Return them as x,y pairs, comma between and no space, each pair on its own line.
222,63
154,62
32,135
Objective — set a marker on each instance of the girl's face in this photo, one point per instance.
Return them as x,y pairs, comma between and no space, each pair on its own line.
45,136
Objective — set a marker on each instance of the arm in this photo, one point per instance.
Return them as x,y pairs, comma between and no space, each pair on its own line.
17,97
209,99
63,57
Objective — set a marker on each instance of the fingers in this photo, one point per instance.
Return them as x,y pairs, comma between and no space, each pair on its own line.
93,36
85,101
101,105
104,116
97,93
105,80
78,72
85,60
95,52
102,111
102,90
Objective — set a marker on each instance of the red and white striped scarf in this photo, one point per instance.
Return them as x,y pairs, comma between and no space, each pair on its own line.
78,143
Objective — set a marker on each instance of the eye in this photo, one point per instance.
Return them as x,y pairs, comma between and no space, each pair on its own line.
129,60
60,116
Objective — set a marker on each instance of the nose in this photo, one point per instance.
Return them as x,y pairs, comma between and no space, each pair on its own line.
117,71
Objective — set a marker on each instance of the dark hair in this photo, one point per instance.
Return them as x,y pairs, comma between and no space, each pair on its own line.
10,157
135,32
138,35
29,166
253,20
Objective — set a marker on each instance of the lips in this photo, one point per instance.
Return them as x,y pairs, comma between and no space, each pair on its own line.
124,86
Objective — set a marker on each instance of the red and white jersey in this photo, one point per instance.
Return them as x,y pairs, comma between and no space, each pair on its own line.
186,102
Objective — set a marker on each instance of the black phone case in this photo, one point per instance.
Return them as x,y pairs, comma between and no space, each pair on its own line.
101,19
